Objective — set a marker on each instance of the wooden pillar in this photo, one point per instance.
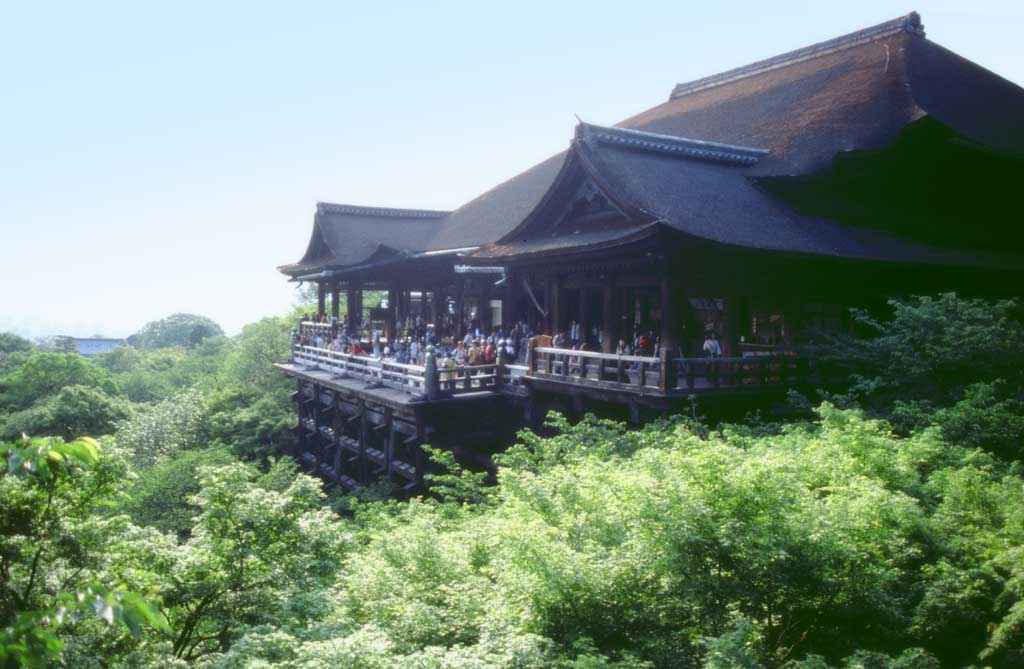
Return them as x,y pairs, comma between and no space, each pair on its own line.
392,322
460,305
512,289
555,310
484,310
364,440
436,303
350,305
668,321
358,304
585,315
609,331
320,298
335,307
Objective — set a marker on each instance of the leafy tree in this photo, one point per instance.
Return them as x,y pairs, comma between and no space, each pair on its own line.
12,343
186,330
253,553
945,360
43,375
119,360
258,347
161,497
163,428
75,411
49,534
932,348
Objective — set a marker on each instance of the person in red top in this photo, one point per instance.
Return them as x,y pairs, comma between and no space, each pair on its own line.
490,353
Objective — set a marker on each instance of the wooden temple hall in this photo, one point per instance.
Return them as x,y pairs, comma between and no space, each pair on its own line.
691,249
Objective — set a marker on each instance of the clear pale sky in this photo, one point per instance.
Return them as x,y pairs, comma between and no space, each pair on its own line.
163,158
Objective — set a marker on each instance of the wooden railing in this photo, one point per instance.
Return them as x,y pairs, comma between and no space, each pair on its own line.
409,378
622,371
667,374
413,379
745,372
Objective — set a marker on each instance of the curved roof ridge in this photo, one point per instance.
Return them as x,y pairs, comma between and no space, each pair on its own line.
383,212
910,23
671,144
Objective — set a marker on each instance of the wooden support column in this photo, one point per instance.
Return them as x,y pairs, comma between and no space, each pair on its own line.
484,308
512,290
392,322
609,331
321,296
436,304
585,315
334,299
460,305
555,310
364,440
350,305
668,309
389,448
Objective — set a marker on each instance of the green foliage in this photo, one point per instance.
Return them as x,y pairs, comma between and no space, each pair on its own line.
161,497
253,556
948,361
75,411
12,343
42,375
50,533
163,428
257,425
185,330
932,348
258,347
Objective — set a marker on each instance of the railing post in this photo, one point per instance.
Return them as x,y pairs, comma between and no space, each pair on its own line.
529,357
665,381
430,381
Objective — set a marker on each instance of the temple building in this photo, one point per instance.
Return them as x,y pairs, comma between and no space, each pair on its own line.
753,207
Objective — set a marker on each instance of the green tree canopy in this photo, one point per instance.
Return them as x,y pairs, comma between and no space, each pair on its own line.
75,411
42,375
186,330
12,343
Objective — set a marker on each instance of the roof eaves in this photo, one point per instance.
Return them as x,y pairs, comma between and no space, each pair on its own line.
911,23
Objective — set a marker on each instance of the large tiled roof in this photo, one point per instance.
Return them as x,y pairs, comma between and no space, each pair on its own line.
785,116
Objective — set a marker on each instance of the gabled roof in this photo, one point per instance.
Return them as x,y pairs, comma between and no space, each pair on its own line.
656,181
800,110
346,235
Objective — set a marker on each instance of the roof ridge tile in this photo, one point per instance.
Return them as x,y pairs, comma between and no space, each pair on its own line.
383,212
910,23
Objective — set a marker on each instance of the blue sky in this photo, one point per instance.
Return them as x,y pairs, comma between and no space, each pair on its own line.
166,157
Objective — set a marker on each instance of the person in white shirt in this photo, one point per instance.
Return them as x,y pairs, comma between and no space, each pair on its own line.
712,348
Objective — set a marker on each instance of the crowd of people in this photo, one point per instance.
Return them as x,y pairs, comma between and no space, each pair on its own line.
476,347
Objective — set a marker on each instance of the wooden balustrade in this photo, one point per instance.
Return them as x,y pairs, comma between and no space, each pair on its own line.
665,373
591,367
409,378
632,373
745,372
